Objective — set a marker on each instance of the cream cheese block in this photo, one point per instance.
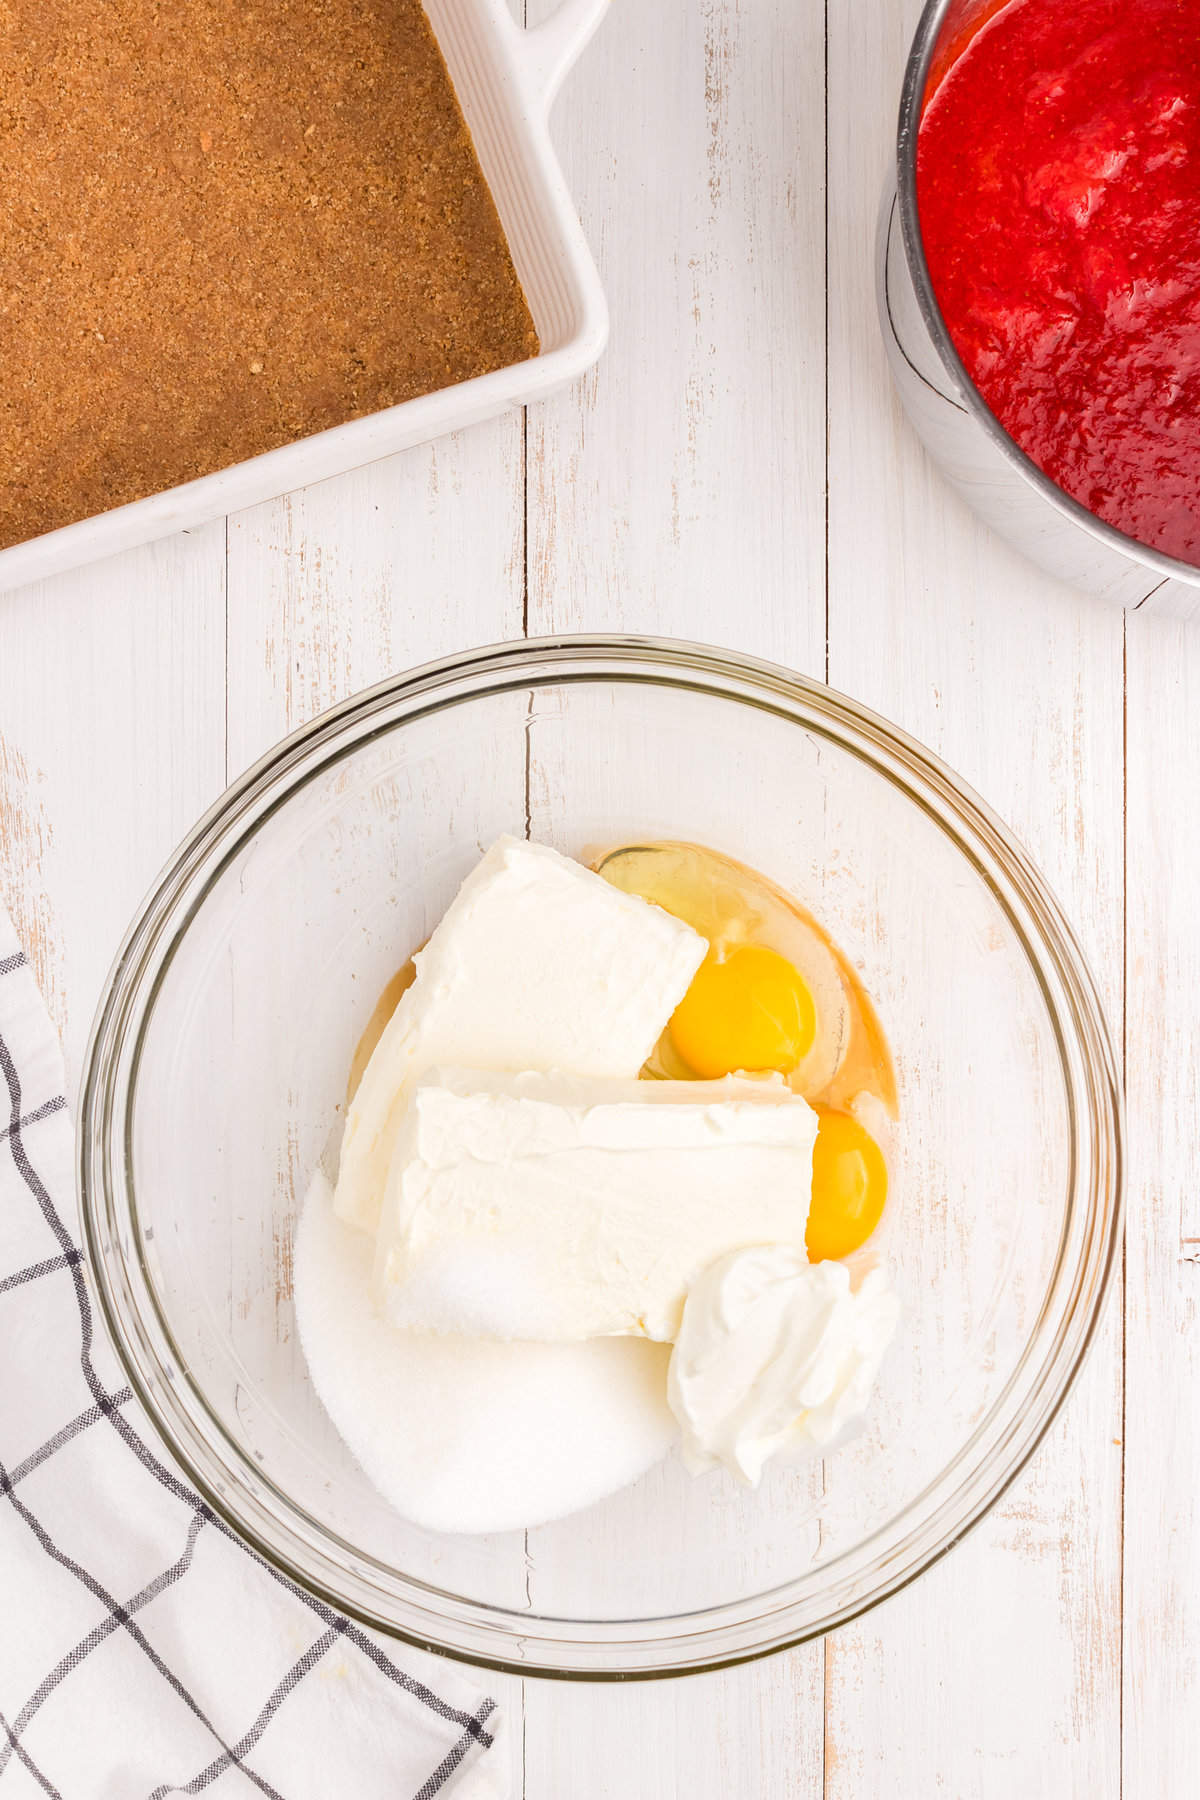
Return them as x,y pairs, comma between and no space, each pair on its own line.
557,1208
537,964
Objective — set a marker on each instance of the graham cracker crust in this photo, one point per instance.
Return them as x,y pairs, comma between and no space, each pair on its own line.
227,227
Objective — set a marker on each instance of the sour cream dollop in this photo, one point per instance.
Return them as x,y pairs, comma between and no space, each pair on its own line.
774,1353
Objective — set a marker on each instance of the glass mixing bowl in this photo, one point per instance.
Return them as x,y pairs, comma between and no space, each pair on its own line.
218,1065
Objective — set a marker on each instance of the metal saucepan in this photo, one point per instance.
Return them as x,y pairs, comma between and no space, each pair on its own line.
1003,485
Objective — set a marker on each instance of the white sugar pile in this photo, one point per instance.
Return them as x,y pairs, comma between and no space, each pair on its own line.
463,1434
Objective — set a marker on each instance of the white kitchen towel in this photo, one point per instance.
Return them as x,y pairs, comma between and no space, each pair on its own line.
144,1651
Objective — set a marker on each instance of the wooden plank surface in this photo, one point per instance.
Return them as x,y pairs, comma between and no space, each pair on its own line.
681,488
1000,1672
112,709
1162,1320
341,584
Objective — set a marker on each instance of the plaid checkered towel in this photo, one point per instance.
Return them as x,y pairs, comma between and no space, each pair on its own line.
144,1651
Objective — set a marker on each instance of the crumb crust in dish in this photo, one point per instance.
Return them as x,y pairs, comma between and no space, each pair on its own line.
226,228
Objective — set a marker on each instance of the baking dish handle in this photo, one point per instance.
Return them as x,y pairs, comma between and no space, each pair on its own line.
547,51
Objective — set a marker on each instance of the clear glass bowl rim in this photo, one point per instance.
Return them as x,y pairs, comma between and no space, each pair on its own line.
293,1544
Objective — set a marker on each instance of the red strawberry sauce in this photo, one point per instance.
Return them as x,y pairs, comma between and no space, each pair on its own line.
1058,180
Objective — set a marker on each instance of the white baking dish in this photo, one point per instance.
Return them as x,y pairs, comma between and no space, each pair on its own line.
506,79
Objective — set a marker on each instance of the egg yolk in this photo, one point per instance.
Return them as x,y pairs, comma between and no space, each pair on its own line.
749,1010
848,1190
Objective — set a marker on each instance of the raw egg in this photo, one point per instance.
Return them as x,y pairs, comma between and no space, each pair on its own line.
800,1010
776,995
748,1010
849,1187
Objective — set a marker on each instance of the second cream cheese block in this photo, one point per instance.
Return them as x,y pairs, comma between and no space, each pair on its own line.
550,1207
537,964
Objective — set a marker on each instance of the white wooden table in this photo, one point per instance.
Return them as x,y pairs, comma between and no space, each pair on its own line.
736,470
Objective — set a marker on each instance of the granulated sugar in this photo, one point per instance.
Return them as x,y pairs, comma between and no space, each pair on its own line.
470,1434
